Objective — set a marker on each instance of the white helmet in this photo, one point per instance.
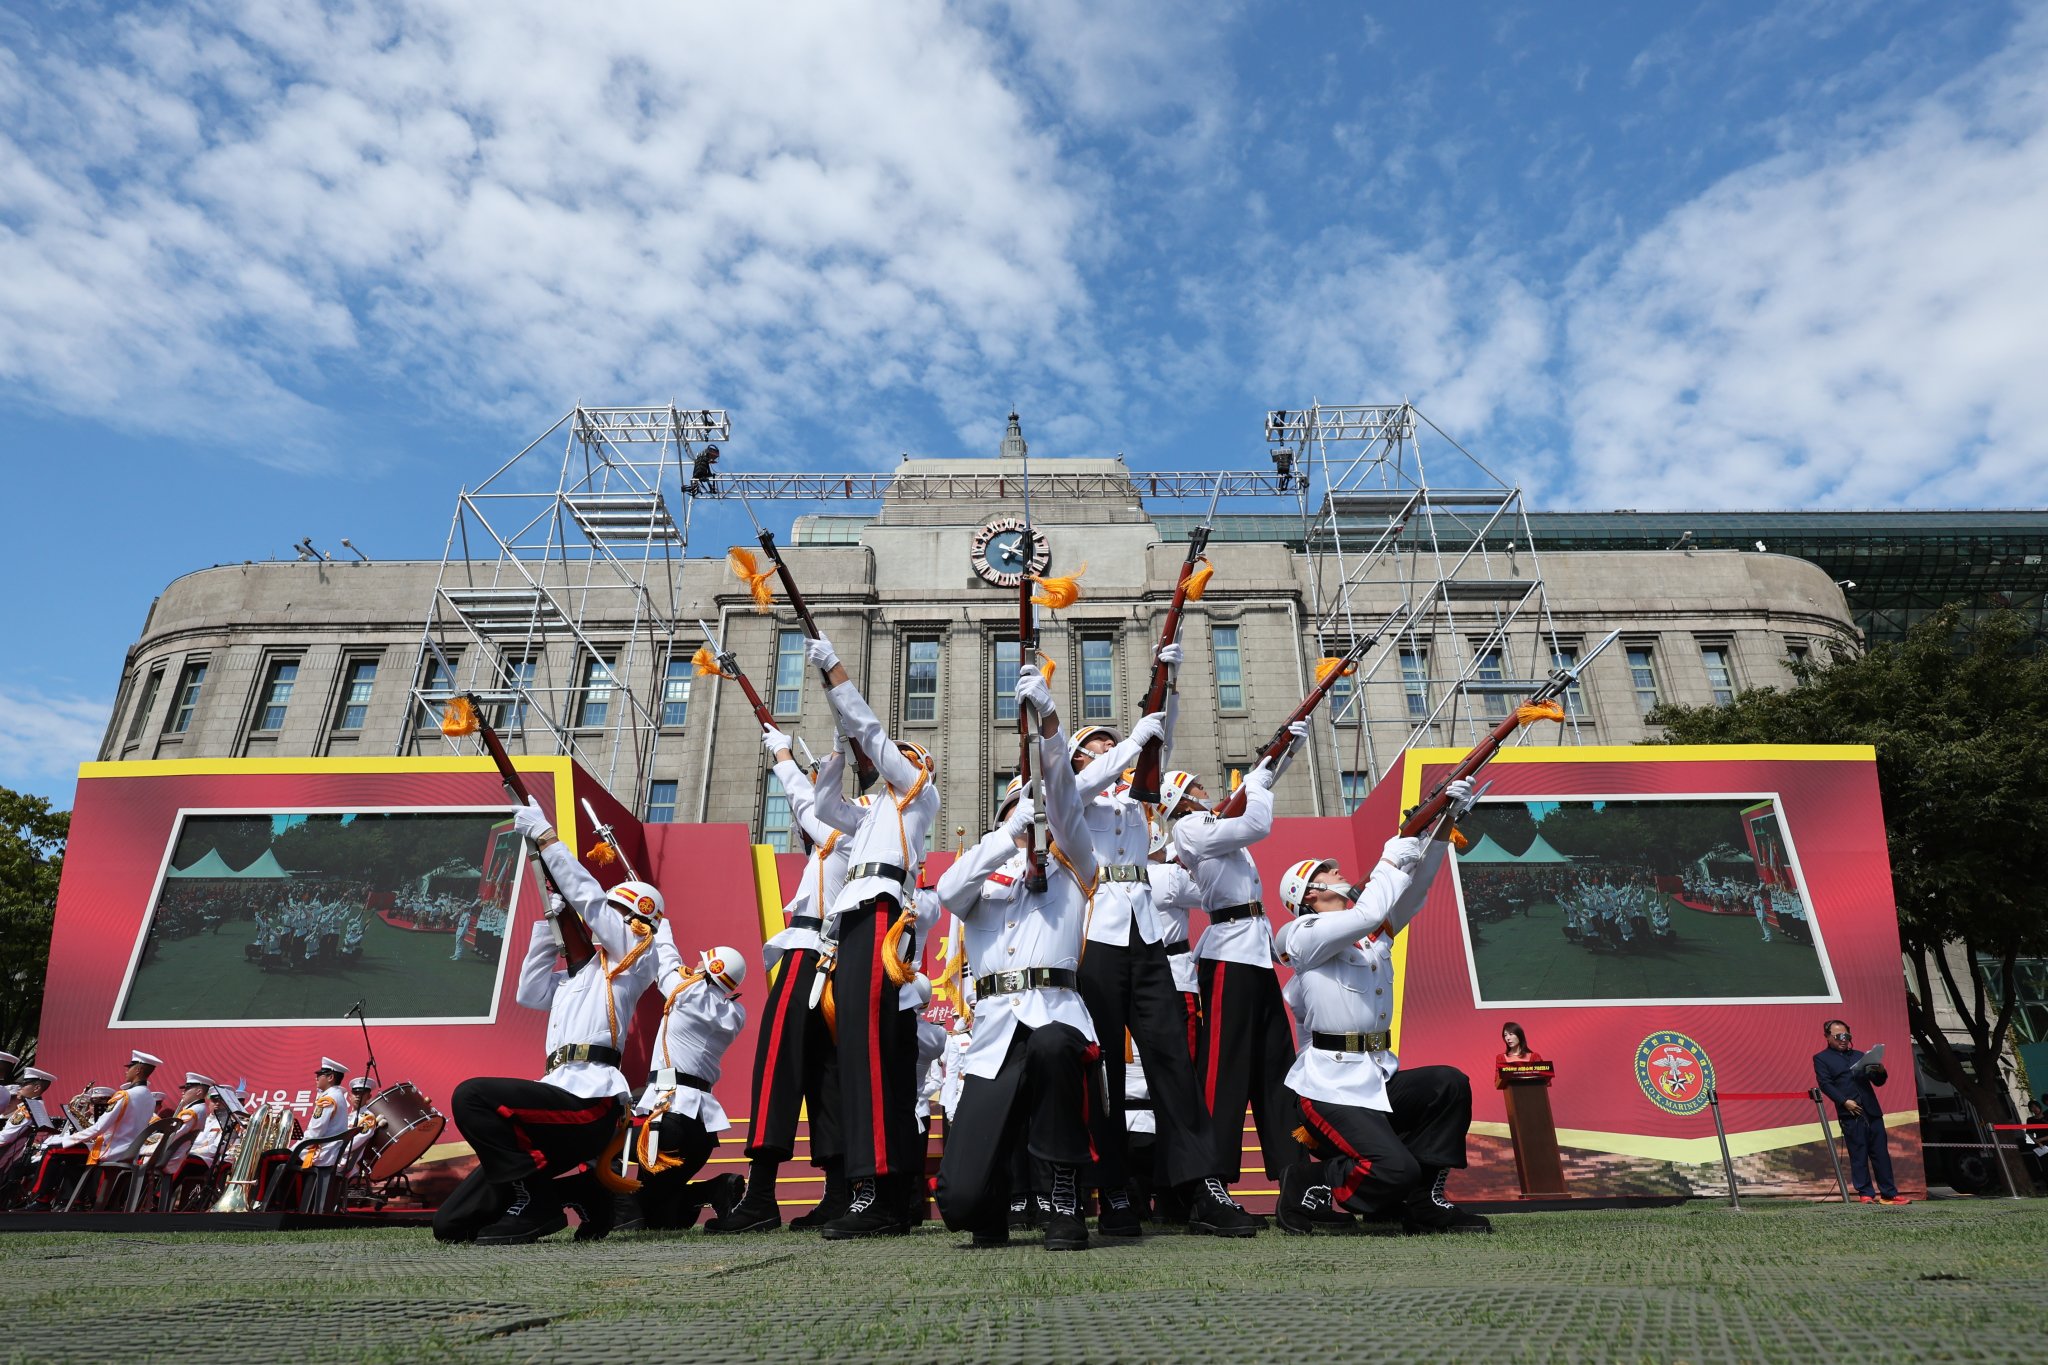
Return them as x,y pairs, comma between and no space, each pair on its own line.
918,755
725,967
1011,792
636,900
1174,790
1086,733
1295,883
1162,832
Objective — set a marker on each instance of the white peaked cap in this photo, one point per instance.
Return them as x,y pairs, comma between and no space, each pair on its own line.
9,1059
329,1064
362,1083
36,1073
194,1078
143,1058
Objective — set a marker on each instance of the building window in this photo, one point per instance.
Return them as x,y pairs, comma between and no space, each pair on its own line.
1353,788
1489,674
277,694
1343,701
1003,681
775,818
1567,656
1720,667
789,673
921,680
661,803
437,685
185,700
1415,680
359,679
148,703
1642,672
676,681
594,692
1229,668
995,800
1098,678
518,673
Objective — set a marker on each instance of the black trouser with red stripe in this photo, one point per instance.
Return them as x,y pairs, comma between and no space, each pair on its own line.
666,1196
1132,988
523,1131
1040,1099
1374,1159
796,1062
877,1051
1247,1048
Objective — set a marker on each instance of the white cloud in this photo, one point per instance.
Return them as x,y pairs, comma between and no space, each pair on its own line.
1854,326
43,739
207,212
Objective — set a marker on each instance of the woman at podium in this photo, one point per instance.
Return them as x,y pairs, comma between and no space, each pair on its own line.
1514,1047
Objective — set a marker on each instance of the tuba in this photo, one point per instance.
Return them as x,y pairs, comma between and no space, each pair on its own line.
269,1128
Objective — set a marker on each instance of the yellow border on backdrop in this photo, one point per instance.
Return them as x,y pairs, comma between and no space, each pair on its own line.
557,766
1697,1151
767,891
1413,761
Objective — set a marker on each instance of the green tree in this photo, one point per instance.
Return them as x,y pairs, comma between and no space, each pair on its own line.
1958,714
31,858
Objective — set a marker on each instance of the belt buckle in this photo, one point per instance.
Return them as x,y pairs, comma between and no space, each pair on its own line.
1010,982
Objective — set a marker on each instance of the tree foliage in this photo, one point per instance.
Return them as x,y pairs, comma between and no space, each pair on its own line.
31,858
1958,714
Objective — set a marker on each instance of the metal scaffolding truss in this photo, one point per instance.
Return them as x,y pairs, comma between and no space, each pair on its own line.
1450,540
917,486
558,594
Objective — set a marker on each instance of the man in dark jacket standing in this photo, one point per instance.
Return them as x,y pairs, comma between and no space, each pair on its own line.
1854,1092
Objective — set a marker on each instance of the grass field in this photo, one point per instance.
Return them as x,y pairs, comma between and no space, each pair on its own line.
1527,957
1952,1280
401,974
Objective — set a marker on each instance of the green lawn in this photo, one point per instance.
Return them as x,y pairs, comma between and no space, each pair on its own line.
1527,957
401,974
1953,1280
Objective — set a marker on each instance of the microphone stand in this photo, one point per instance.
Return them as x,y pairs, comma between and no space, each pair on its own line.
370,1053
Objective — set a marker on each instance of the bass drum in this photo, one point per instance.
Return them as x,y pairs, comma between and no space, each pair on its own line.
411,1125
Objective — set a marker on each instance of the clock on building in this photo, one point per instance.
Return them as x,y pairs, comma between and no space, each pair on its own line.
1006,548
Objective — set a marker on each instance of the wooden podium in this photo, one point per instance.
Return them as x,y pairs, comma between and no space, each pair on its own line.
1530,1127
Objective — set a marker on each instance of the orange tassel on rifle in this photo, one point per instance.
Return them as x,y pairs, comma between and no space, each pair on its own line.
1530,712
1047,665
705,662
603,854
749,571
606,1166
1059,592
1325,667
459,718
1198,581
1458,839
1236,779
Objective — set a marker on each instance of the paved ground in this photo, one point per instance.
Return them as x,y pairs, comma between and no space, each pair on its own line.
1954,1280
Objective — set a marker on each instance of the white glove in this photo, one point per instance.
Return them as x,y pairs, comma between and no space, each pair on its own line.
1170,655
1402,851
774,741
1460,796
1150,728
1032,692
820,654
1260,777
529,821
1021,816
1299,729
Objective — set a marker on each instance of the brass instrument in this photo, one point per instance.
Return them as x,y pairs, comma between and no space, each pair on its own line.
78,1110
273,1127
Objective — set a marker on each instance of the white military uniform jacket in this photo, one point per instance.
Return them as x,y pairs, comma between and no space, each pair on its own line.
596,1004
1173,895
825,871
1007,928
1122,838
116,1134
20,1124
893,831
1215,852
1343,982
698,1024
329,1115
206,1146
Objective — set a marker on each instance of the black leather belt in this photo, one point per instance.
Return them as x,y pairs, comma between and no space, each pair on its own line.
596,1053
682,1078
814,923
886,871
1352,1042
1027,979
1179,945
1123,872
1225,914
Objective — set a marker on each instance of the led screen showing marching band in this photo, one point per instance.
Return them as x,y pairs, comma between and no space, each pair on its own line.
1636,901
296,916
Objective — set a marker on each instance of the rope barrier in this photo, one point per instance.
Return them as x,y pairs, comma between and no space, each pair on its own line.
1764,1095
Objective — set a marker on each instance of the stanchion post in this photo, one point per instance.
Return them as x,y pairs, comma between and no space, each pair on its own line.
1998,1150
1827,1136
1727,1161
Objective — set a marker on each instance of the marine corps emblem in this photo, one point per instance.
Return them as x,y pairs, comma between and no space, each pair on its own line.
1674,1072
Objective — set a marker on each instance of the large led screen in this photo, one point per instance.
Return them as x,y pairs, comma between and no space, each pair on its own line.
299,916
1637,901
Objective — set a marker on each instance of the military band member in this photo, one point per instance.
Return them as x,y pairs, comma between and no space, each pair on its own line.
527,1134
113,1136
1246,1044
28,1116
223,1108
328,1118
796,1067
9,1064
1032,1059
1385,1136
701,1016
360,1091
877,1037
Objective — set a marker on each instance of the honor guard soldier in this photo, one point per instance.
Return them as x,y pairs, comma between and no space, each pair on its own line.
113,1136
701,1016
1386,1137
1246,1043
527,1134
877,1037
1032,1064
796,1062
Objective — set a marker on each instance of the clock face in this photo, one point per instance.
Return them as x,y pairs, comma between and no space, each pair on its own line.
1006,548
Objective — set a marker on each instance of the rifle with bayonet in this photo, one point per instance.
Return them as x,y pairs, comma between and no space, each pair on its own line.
1194,579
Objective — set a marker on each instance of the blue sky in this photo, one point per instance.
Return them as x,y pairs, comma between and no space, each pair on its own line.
279,268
